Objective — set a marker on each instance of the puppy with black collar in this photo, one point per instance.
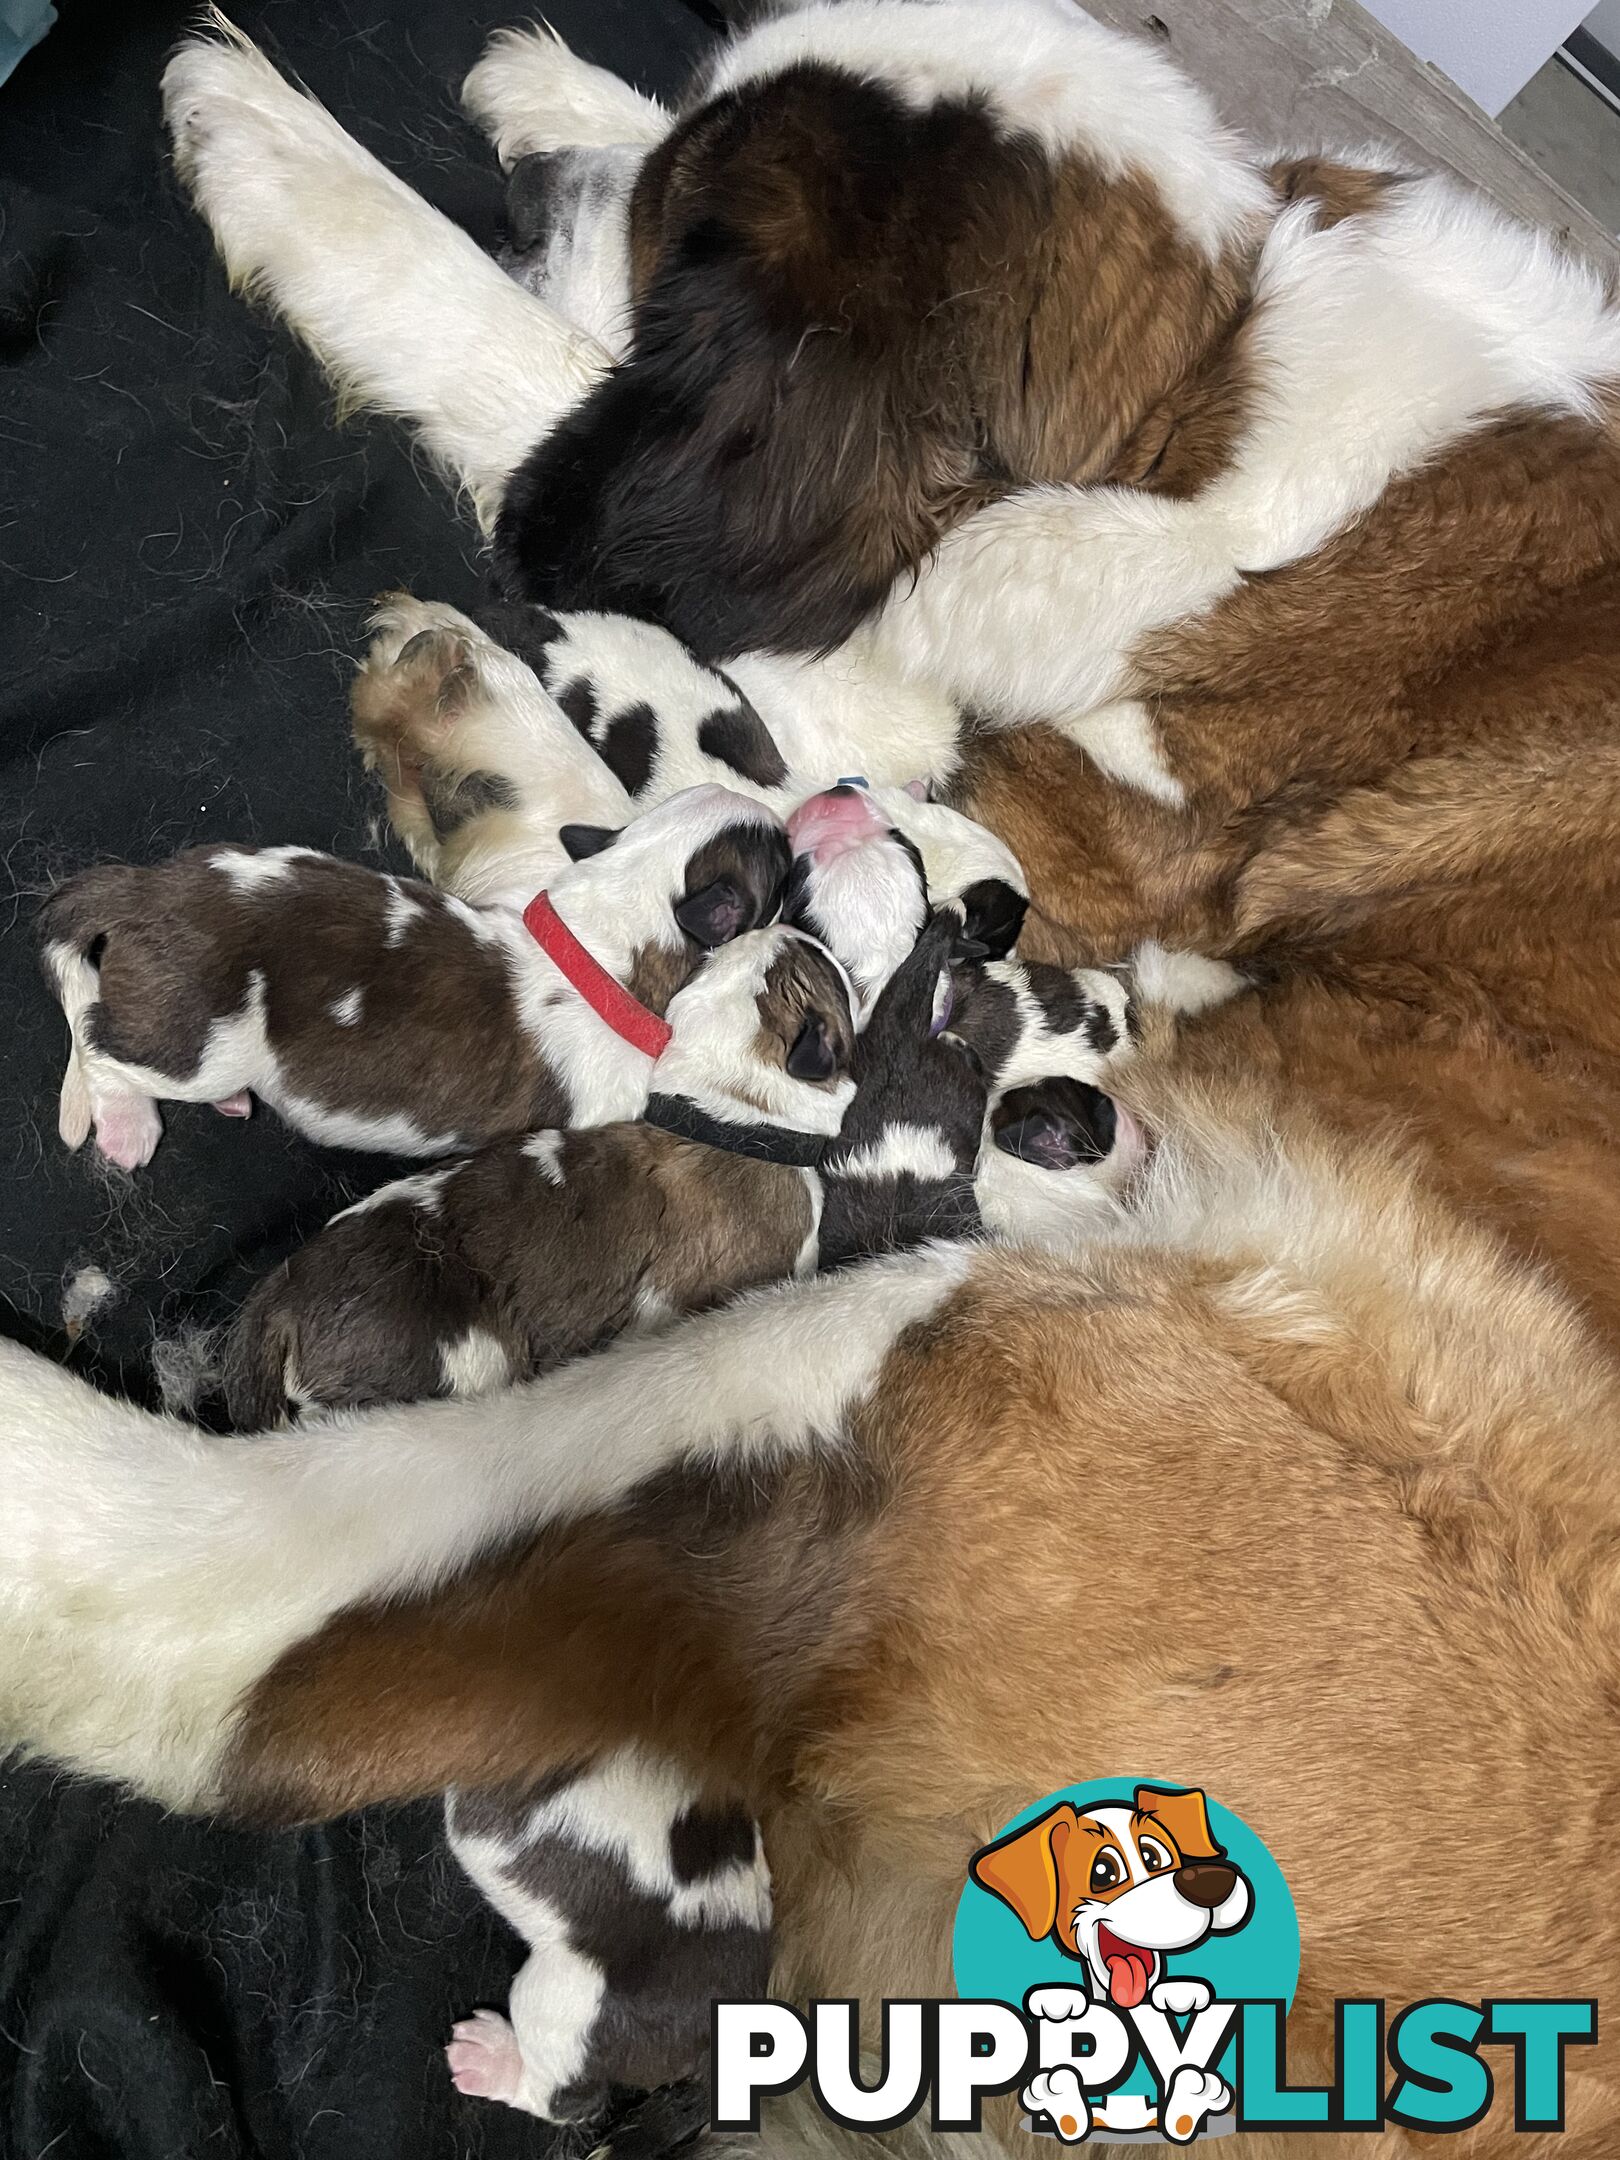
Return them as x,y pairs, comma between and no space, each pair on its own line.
535,1249
374,1012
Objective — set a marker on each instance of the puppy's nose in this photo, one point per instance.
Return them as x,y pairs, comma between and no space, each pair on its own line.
1206,1882
835,822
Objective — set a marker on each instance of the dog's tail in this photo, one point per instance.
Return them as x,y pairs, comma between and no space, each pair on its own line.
450,1592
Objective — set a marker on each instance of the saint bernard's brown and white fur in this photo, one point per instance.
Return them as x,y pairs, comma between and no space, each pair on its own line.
1288,569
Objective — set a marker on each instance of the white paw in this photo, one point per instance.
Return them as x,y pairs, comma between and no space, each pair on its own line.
238,1105
1057,2004
530,92
1181,1998
484,2057
1060,2094
128,1129
1193,2096
399,617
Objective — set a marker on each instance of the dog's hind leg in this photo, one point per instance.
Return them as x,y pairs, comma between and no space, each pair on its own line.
406,314
529,93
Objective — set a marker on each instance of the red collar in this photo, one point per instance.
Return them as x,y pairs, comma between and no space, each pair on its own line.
606,997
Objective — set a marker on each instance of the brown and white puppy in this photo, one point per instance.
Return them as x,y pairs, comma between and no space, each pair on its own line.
535,1249
373,1012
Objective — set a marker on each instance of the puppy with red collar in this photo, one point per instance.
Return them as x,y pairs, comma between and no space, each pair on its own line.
373,1012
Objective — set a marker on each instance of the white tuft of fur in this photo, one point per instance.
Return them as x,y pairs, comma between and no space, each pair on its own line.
529,91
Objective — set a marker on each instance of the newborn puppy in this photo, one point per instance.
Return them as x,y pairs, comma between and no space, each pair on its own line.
662,721
432,693
902,1168
373,1012
659,715
534,1250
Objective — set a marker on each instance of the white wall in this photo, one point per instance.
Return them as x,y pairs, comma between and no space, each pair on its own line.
1489,48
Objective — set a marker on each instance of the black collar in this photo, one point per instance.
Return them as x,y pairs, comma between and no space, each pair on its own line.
781,1144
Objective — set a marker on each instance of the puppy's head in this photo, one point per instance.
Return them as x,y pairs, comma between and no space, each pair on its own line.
764,1032
964,863
792,427
693,873
1059,1155
857,885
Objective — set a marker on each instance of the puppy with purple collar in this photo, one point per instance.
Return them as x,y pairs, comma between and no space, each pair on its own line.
373,1012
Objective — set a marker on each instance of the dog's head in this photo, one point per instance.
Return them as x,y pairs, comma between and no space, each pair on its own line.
873,290
685,877
1119,1887
764,1032
857,884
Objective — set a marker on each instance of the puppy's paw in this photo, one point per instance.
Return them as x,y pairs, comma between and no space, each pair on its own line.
1060,2095
484,2058
1192,2098
1057,2004
128,1129
1181,1998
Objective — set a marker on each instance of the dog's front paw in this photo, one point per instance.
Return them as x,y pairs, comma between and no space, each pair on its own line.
1060,2095
128,1129
484,2057
530,92
1181,1998
1057,2004
1193,2096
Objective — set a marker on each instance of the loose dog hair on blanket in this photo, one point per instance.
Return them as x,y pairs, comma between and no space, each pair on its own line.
374,1012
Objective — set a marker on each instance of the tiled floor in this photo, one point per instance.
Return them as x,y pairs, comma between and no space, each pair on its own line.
1573,135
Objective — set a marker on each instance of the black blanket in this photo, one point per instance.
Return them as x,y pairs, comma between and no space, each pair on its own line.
188,544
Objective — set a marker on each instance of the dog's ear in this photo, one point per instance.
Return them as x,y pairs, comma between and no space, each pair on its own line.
578,841
715,915
992,915
1026,1870
1185,1816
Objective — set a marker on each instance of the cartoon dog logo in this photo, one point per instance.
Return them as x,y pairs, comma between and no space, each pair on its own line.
1120,1888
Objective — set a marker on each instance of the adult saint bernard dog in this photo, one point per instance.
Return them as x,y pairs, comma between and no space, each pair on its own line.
1267,517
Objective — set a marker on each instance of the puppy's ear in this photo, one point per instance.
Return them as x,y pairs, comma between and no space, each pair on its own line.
814,1056
717,914
1185,1816
1025,1870
992,915
581,840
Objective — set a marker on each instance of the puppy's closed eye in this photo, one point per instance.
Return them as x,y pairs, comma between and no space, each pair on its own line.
815,1053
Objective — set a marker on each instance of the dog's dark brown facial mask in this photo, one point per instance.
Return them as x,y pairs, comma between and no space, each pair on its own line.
794,426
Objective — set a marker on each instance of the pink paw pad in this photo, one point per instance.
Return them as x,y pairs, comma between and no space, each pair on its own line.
128,1130
238,1105
484,2057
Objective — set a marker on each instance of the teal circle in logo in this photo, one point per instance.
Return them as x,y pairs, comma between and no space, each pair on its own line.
1121,1834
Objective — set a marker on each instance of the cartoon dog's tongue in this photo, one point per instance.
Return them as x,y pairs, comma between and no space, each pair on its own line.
1129,1969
